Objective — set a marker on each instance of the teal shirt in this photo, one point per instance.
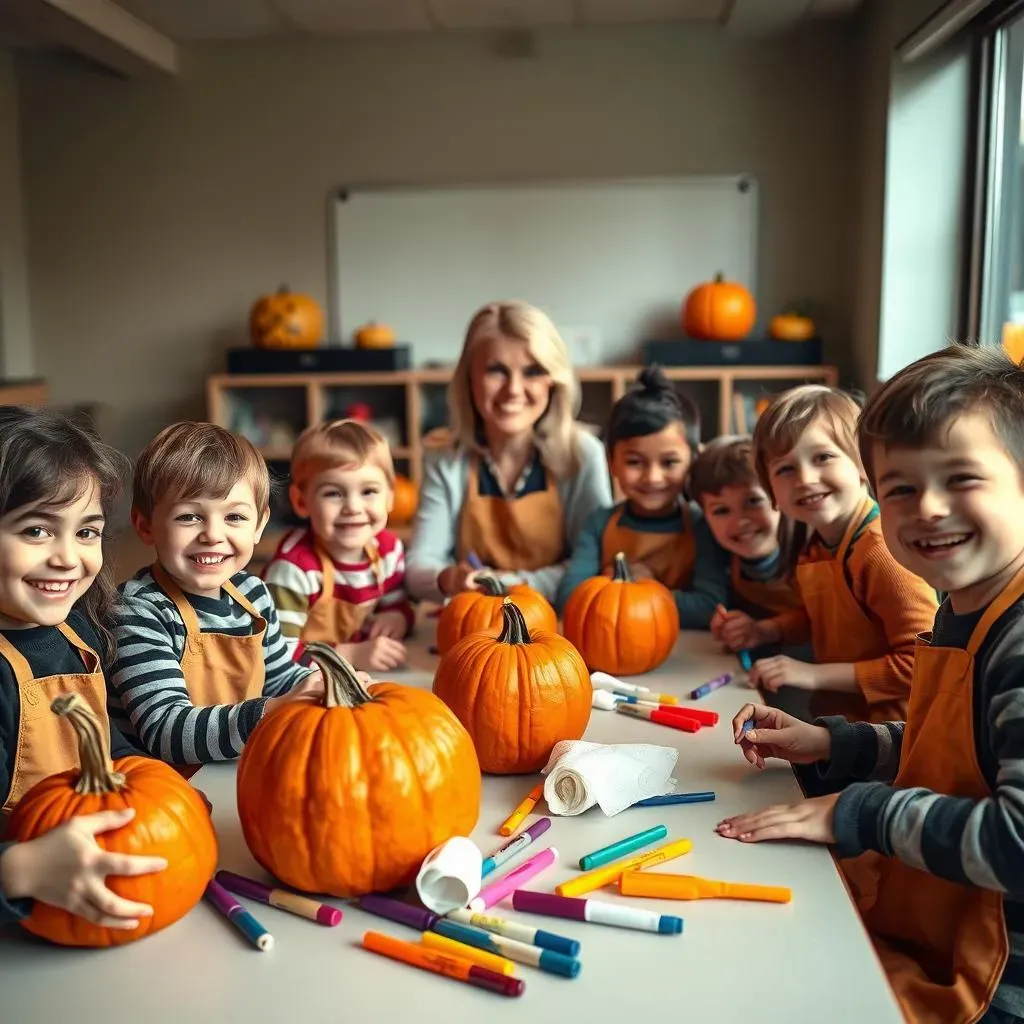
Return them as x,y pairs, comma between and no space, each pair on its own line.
708,584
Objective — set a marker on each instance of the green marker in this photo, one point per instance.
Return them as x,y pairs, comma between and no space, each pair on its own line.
622,847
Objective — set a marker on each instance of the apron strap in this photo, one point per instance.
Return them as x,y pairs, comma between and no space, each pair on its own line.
18,662
855,524
235,594
1010,594
89,656
177,595
327,570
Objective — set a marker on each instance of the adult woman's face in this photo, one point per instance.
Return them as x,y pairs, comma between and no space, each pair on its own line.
510,388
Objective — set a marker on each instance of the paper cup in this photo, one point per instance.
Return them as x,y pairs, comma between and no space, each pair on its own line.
449,876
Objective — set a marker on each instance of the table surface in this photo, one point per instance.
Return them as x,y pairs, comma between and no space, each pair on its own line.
809,960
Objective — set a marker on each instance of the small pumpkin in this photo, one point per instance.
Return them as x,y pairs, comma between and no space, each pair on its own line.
347,797
518,694
171,821
474,611
286,319
791,326
375,335
719,310
406,498
621,625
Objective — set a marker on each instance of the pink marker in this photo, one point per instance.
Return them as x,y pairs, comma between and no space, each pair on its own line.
497,891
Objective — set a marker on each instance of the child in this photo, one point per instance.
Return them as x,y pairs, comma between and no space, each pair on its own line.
861,608
939,835
652,435
200,653
341,579
58,485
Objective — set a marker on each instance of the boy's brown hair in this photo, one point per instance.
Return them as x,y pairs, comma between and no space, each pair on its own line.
339,443
725,461
915,406
189,460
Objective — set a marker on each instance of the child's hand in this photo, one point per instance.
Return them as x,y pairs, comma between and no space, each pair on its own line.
381,654
309,687
391,624
810,819
776,734
738,630
641,571
68,869
771,673
457,578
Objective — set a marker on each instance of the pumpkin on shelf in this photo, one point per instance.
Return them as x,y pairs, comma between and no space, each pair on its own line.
171,821
347,797
286,319
518,693
375,335
791,326
621,625
719,310
406,498
475,611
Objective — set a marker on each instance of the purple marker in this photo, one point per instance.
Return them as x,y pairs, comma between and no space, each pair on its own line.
474,560
395,910
280,898
514,845
710,685
619,915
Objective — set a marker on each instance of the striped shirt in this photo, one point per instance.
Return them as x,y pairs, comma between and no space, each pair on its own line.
295,580
972,842
149,701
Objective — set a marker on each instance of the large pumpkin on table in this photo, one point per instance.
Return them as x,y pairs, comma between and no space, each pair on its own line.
286,319
171,821
719,310
347,797
518,693
475,611
621,625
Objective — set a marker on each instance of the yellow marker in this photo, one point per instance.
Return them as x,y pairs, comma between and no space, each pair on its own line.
516,818
690,887
665,698
591,880
480,957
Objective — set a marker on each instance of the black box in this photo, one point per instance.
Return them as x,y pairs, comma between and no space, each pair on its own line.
753,352
326,359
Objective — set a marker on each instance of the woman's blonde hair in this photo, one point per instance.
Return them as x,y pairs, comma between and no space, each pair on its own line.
556,433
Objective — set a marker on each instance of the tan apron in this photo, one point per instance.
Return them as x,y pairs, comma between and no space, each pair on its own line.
669,556
509,534
943,945
48,744
762,598
336,622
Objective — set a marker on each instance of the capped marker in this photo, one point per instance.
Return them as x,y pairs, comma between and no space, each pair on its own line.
515,930
711,685
746,662
660,717
591,880
659,885
521,952
514,846
676,798
616,914
395,910
499,889
620,848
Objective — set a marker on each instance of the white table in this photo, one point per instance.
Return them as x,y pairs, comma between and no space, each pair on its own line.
806,961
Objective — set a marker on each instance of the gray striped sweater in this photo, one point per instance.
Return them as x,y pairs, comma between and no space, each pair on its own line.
972,842
148,698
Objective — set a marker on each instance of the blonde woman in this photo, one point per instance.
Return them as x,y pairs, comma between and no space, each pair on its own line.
522,476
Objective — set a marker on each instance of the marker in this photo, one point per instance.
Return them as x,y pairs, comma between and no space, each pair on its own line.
239,916
691,887
280,898
710,685
499,964
534,956
746,661
514,845
603,681
604,699
675,798
497,891
697,714
515,819
748,725
442,963
622,847
517,931
660,717
474,561
592,880
616,914
395,910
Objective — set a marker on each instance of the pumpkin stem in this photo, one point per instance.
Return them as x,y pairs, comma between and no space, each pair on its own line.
491,585
514,629
342,687
719,277
620,570
97,771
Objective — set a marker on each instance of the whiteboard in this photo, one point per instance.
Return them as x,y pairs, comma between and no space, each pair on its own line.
609,261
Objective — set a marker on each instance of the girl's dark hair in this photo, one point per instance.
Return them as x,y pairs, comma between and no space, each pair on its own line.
48,460
650,407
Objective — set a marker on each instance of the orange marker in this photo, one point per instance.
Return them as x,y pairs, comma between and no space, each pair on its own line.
591,880
690,887
493,962
516,818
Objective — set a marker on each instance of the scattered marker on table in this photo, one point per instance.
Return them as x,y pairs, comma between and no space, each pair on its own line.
497,891
519,932
692,887
711,685
514,845
395,910
681,722
480,957
282,899
610,852
591,880
675,798
745,659
518,816
217,895
617,914
521,952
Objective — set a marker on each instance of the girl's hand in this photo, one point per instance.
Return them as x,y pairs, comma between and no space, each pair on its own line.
390,624
457,578
68,869
810,819
780,670
381,654
776,734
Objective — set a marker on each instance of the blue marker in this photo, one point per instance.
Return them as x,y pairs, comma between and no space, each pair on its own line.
748,725
675,798
545,959
745,660
711,684
474,560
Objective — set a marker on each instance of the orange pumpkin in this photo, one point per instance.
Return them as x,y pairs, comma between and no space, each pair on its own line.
620,625
171,821
347,797
375,335
518,694
719,310
791,327
406,498
474,611
286,320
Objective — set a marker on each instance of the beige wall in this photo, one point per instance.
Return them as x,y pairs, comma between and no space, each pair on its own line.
157,212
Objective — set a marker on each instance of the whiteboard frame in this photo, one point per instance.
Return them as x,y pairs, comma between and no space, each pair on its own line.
336,196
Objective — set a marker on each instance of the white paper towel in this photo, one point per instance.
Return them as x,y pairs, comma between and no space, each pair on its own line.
614,776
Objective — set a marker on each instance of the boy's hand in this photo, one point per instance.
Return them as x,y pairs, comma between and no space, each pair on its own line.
68,869
457,578
780,670
776,734
391,624
309,687
739,630
641,571
810,819
381,654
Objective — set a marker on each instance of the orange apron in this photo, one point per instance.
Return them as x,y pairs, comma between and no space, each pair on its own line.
765,597
670,556
943,945
527,532
336,622
218,668
48,744
842,631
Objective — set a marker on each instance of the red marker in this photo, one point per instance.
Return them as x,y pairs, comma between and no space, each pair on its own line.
659,717
697,714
